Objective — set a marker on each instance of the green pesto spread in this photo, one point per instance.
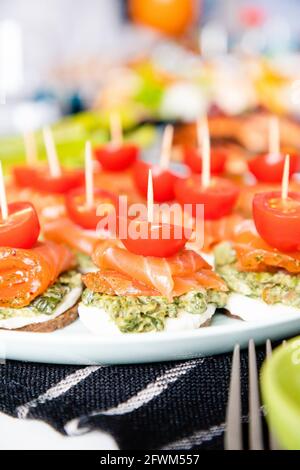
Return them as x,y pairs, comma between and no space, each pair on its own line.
144,314
47,303
272,287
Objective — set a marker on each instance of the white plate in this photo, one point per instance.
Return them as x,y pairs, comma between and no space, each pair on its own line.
75,345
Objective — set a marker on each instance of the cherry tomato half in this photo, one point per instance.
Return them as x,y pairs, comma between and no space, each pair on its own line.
218,199
69,180
278,221
163,181
24,176
269,168
159,240
86,216
193,159
22,228
116,158
297,158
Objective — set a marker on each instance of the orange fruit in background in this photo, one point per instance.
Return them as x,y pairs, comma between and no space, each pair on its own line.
171,17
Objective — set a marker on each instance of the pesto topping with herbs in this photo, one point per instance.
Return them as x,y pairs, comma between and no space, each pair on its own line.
271,287
144,314
47,303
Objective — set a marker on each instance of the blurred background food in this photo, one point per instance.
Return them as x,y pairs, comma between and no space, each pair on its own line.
73,63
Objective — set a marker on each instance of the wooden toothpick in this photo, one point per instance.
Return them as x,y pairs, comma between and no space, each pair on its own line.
285,179
166,148
3,200
274,136
116,131
30,148
150,198
52,156
89,175
204,145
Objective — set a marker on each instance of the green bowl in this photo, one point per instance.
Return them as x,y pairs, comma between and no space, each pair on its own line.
280,384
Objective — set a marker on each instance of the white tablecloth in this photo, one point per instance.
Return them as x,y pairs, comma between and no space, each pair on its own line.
34,435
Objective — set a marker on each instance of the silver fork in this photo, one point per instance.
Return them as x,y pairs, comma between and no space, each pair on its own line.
233,431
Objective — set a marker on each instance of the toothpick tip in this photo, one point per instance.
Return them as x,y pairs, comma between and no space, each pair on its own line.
3,200
285,178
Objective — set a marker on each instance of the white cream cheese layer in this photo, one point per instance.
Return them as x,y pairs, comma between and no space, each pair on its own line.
19,322
255,310
99,322
189,321
91,269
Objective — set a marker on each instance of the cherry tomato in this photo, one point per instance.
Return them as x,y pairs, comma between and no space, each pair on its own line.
163,181
160,240
269,168
218,199
297,158
193,160
24,176
252,16
21,229
116,158
278,221
83,215
69,180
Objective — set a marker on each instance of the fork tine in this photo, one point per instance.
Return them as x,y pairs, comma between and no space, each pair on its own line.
268,349
233,431
255,425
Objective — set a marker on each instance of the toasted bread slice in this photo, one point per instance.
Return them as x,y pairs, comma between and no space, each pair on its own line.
57,323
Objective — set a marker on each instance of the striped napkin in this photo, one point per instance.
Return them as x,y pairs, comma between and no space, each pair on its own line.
169,406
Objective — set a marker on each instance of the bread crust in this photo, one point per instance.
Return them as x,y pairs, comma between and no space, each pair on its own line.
230,315
207,323
65,319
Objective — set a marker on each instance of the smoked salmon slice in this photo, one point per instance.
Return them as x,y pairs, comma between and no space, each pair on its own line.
216,231
114,283
158,274
205,278
185,262
254,254
210,232
25,274
63,230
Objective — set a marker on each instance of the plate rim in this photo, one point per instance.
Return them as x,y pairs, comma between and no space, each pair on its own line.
235,326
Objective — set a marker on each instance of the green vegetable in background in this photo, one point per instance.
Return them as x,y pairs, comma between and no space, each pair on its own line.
70,135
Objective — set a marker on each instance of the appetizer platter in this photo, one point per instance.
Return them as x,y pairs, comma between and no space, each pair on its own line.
80,285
